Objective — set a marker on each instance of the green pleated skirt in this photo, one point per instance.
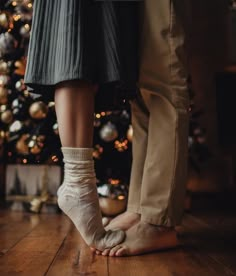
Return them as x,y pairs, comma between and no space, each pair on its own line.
89,40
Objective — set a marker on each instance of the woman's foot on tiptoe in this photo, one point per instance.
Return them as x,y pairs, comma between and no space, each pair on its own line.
79,199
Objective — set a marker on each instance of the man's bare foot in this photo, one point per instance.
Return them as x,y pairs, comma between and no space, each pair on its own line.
124,221
144,238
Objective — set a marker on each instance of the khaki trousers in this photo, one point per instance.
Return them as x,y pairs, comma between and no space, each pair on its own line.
160,117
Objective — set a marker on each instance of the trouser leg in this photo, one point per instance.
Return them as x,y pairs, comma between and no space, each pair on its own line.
140,118
163,86
165,168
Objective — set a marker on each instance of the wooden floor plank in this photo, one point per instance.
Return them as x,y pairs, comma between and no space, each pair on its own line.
181,262
13,228
75,258
194,257
49,245
34,253
220,220
216,242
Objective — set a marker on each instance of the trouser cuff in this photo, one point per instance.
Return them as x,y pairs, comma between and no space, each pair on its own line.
133,209
160,220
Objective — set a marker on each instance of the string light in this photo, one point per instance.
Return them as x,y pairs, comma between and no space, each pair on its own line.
121,197
54,158
16,17
113,181
27,26
97,152
121,145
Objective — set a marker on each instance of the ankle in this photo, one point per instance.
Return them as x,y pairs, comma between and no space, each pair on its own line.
77,154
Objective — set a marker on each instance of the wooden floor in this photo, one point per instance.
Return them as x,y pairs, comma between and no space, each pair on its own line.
46,244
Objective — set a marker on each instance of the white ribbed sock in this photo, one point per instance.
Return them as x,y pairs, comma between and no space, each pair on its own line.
78,199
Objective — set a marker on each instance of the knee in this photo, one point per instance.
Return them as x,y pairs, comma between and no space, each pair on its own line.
77,83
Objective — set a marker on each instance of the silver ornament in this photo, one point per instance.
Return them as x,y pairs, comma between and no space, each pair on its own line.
16,126
25,30
108,132
20,86
55,128
4,79
7,44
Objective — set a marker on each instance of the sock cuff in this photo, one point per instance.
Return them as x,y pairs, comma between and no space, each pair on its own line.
79,154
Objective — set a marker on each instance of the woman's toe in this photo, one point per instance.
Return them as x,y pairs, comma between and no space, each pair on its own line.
106,252
98,252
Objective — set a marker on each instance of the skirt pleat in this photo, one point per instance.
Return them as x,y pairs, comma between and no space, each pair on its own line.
96,41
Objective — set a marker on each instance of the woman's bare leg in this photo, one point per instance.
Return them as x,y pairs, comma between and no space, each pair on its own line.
74,102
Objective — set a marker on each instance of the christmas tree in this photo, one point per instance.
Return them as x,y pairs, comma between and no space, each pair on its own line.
28,126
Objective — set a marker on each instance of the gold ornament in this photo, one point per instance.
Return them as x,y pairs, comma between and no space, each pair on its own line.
35,149
112,197
3,95
112,207
38,110
36,144
26,93
130,133
4,20
7,116
4,79
4,67
3,107
20,66
2,137
21,145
